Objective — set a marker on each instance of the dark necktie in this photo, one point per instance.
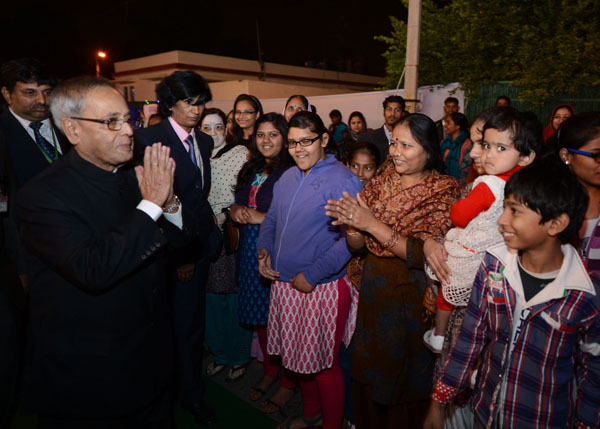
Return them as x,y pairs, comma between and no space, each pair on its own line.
50,152
190,141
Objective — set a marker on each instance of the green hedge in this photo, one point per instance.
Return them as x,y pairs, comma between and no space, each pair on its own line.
587,100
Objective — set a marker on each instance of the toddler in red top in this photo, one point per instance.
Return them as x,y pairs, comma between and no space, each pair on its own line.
509,144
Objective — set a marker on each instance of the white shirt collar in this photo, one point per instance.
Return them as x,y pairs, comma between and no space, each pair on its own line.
25,123
387,133
572,275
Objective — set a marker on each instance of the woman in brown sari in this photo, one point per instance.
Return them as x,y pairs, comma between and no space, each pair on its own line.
397,210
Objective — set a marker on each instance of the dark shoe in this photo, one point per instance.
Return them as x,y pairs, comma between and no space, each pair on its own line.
203,414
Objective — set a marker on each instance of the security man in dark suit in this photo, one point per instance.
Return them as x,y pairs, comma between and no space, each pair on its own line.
32,138
182,97
29,143
12,303
32,141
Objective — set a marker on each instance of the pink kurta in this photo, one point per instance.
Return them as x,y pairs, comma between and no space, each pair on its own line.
302,325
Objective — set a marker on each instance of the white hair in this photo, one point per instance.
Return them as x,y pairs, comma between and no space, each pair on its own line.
68,98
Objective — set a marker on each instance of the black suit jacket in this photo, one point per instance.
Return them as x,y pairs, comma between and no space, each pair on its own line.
25,157
12,306
439,126
100,334
9,280
189,186
23,162
379,139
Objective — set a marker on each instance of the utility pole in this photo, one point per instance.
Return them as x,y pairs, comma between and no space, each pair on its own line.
261,60
413,37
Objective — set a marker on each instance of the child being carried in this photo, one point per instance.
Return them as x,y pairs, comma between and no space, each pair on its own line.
509,144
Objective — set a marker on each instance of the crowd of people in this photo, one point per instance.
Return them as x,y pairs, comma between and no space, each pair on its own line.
419,274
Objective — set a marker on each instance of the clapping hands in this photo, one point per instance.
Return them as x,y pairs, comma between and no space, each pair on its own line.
350,211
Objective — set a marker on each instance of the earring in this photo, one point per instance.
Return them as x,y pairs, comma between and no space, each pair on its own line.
566,162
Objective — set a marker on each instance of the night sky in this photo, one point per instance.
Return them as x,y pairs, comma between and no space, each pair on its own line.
66,35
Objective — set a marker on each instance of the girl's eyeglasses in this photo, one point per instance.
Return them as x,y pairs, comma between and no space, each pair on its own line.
595,155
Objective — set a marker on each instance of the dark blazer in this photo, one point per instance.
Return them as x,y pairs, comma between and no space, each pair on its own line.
189,185
26,158
100,333
379,139
9,245
24,161
439,126
187,176
12,306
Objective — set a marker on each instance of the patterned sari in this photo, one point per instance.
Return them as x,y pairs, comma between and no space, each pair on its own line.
420,211
389,355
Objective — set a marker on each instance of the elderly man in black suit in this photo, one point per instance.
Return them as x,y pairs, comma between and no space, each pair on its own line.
393,106
97,232
182,97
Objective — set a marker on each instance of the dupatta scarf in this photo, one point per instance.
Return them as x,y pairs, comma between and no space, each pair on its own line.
419,211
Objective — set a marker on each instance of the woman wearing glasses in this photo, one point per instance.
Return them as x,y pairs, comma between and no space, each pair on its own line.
304,255
246,110
579,143
227,340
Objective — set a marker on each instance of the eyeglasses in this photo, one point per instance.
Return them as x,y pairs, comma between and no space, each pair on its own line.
245,112
208,128
595,155
114,124
291,144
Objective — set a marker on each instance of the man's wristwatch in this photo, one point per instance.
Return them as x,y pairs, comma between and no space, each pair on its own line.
174,206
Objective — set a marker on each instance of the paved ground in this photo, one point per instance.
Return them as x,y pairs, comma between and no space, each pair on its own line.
241,388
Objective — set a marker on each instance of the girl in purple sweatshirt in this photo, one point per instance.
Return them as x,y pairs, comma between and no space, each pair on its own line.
313,305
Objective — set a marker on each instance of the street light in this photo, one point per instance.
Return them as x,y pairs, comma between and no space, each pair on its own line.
98,56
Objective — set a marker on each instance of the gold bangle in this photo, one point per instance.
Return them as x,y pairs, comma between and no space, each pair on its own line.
391,242
353,233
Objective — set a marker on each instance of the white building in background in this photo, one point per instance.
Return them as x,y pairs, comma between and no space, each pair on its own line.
229,77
